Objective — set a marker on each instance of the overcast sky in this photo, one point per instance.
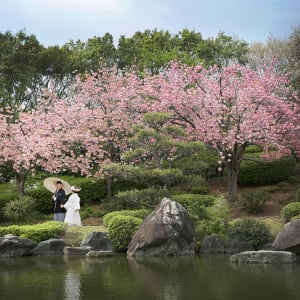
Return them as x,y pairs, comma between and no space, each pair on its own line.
55,22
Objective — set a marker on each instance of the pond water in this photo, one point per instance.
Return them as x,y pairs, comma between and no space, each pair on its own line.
208,277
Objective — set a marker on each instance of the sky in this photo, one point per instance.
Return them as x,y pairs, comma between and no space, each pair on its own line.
56,22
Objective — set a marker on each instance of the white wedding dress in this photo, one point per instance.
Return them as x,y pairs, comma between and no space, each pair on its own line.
73,206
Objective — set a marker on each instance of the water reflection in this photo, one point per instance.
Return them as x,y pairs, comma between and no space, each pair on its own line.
209,277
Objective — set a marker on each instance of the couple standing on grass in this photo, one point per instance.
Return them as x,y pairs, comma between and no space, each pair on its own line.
66,211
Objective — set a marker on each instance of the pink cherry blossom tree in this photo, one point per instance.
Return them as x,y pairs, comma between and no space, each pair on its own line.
229,109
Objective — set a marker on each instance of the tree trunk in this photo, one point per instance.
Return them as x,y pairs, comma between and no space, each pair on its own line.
20,180
108,181
232,184
233,171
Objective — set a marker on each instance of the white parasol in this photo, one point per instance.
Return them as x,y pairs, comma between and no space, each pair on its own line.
50,184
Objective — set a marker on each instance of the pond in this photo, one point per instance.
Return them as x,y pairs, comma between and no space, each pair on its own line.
208,277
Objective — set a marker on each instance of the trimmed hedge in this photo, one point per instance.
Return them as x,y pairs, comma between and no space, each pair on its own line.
146,197
36,233
250,230
121,229
290,210
267,172
141,214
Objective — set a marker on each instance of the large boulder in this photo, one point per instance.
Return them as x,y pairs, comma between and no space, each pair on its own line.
235,245
13,246
263,256
97,241
212,244
167,231
288,239
50,247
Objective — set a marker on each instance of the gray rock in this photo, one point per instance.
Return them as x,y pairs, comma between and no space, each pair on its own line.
50,247
167,231
288,239
212,244
263,256
234,245
13,246
72,251
94,253
97,241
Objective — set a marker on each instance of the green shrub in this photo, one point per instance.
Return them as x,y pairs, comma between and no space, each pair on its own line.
92,191
43,199
147,197
5,198
290,210
254,201
37,233
141,213
90,212
186,199
202,190
20,210
266,172
214,225
195,204
203,163
121,229
253,149
250,230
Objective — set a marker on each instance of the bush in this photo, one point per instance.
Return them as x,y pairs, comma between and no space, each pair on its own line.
141,214
90,212
254,201
121,229
37,233
5,198
146,197
43,200
290,210
266,172
20,210
195,204
250,230
187,199
92,191
203,164
202,190
214,225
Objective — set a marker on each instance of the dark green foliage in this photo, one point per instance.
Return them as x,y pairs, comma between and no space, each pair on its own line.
290,210
121,229
202,190
90,212
121,185
259,173
254,201
92,192
253,149
195,204
186,199
140,213
203,164
146,197
250,230
20,210
209,226
43,199
37,233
